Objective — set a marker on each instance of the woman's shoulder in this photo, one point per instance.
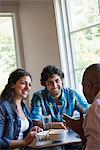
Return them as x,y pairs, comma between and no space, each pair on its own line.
5,105
4,102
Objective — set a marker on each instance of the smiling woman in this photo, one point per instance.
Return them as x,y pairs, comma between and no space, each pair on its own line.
15,122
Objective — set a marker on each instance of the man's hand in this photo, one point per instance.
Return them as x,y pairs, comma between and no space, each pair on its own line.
75,125
58,125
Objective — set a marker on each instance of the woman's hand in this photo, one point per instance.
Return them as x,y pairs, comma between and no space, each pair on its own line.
29,138
32,135
36,128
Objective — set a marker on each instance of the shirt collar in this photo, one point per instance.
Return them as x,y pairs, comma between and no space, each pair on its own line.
63,98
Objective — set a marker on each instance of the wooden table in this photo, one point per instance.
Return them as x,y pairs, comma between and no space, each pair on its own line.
71,137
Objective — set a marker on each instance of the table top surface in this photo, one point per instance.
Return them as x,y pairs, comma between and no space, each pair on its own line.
71,137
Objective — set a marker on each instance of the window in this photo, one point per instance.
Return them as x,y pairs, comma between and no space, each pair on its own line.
7,48
78,26
11,45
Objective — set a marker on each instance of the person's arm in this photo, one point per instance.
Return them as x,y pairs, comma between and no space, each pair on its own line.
5,141
36,110
81,102
76,125
38,123
24,142
27,140
53,125
58,125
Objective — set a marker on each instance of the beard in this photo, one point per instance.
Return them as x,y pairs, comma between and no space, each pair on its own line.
55,92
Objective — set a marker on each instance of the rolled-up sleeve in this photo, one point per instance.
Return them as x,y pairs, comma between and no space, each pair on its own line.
36,109
81,102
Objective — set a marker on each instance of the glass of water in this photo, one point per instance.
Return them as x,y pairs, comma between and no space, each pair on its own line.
47,122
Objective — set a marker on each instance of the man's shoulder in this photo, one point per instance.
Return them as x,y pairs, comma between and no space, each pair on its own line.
71,92
68,90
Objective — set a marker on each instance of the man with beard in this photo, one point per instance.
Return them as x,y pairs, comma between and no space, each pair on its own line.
54,99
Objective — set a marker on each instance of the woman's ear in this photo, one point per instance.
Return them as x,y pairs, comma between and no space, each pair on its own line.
12,86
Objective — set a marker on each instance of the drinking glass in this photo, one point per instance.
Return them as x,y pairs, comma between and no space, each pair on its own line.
47,122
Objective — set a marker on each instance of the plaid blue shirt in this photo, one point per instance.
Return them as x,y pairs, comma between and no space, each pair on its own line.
44,104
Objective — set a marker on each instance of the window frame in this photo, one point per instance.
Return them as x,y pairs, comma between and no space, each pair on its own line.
11,8
65,42
65,48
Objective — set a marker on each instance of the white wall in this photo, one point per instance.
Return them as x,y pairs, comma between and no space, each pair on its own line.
39,37
36,35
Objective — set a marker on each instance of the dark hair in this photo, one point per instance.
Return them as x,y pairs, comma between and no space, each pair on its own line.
92,73
48,72
8,92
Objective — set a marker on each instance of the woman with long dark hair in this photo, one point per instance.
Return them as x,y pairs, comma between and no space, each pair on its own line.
16,129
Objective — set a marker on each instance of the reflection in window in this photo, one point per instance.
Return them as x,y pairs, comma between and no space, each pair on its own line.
7,49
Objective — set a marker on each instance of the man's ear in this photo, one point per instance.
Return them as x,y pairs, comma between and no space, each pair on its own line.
44,85
89,85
